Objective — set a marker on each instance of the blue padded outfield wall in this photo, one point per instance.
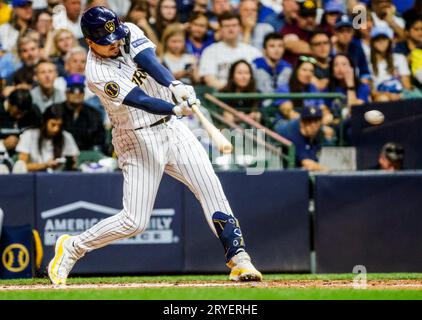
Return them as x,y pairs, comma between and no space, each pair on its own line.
373,220
272,209
363,218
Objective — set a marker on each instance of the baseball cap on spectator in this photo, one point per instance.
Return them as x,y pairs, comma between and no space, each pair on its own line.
343,21
21,3
75,82
307,8
334,7
380,31
311,113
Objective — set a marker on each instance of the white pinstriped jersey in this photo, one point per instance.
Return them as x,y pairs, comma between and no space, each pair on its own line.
112,79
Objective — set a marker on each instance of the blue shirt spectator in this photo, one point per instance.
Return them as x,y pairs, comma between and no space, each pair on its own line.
269,78
305,134
347,44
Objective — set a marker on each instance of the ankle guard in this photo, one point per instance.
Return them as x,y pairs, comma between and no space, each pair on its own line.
229,233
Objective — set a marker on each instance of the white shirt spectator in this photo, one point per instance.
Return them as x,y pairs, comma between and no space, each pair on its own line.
218,57
8,37
28,143
401,68
44,102
382,23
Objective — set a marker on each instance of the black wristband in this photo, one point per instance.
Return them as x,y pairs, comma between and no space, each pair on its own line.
351,88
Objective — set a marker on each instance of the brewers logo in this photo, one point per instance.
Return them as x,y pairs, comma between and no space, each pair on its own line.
139,76
15,257
112,89
109,26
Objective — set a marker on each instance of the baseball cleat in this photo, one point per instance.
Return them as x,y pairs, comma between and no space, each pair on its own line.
242,268
63,261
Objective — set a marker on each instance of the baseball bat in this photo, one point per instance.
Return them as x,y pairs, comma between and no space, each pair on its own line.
220,141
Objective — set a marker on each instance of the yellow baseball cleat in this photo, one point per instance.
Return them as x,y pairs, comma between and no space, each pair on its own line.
63,261
242,268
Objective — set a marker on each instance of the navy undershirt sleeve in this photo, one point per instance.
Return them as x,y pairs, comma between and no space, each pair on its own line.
139,99
147,60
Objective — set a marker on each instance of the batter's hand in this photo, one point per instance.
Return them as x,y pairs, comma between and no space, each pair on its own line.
185,107
181,92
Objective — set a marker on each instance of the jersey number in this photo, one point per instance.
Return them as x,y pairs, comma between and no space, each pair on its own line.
139,76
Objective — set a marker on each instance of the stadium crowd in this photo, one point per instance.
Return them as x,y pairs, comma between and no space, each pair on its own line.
369,51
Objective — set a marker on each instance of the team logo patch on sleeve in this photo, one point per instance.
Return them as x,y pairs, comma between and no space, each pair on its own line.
139,42
112,89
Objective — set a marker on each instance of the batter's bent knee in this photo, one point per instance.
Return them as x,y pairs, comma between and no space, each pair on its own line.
133,226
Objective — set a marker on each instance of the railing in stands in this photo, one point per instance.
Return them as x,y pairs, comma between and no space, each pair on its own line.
213,100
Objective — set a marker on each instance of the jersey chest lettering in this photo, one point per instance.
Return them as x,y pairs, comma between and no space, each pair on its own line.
139,77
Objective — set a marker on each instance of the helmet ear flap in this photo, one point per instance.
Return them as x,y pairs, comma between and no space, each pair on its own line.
126,45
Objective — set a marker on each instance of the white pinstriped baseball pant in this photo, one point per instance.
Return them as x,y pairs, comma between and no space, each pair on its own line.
144,155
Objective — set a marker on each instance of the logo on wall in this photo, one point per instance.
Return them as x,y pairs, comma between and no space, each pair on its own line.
77,220
15,257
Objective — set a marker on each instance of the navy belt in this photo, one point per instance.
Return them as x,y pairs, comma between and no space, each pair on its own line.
161,121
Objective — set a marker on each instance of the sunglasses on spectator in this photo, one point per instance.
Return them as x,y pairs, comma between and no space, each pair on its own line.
307,59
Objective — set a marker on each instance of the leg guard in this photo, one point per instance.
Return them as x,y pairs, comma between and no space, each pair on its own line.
229,233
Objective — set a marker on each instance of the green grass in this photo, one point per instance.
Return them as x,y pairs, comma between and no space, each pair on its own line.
210,293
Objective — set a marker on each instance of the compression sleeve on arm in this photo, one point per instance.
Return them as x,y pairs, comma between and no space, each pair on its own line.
147,60
139,99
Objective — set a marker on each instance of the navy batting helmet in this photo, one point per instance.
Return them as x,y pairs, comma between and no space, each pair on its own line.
102,26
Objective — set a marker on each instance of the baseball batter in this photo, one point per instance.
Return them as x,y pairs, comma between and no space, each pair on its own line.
144,102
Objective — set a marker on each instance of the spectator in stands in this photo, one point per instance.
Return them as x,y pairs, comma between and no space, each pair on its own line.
46,94
83,122
182,65
5,12
62,42
241,80
139,14
29,53
333,9
253,32
390,71
44,27
391,157
296,36
416,66
218,57
45,147
300,82
286,17
343,79
363,36
73,17
21,21
51,4
305,133
75,61
218,7
8,65
271,71
166,15
198,36
321,49
17,113
384,15
343,43
413,36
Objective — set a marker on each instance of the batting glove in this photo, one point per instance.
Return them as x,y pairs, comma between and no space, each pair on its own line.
181,92
185,107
